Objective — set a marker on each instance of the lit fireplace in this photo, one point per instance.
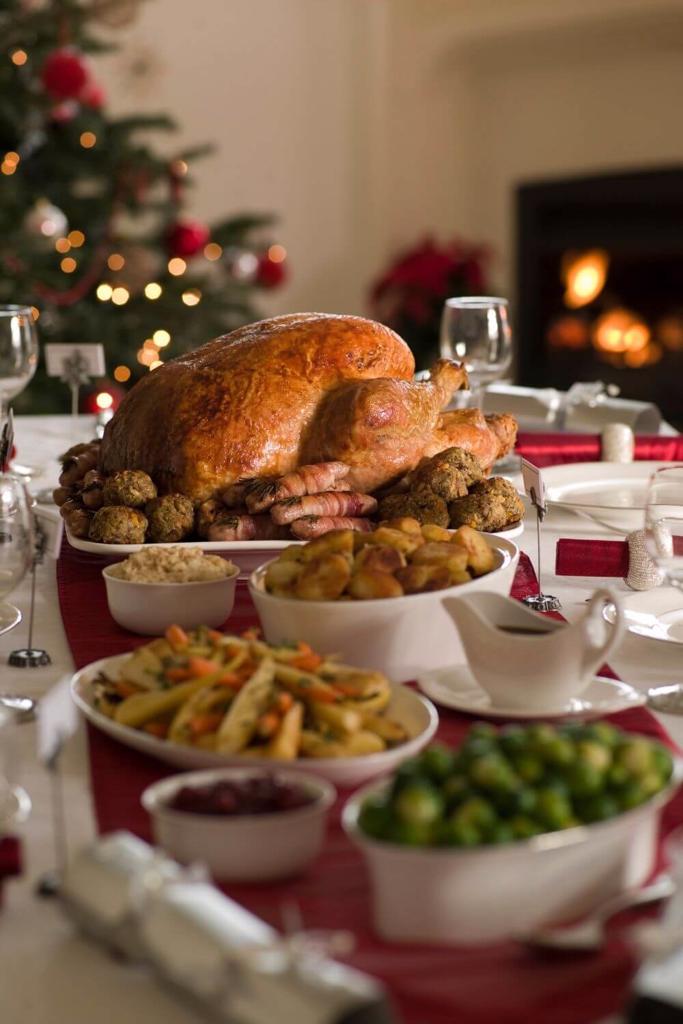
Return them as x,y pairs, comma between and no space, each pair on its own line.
600,284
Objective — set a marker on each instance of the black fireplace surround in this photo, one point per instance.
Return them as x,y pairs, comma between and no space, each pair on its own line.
637,219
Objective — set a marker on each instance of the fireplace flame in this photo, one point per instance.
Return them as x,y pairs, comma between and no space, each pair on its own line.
624,339
584,275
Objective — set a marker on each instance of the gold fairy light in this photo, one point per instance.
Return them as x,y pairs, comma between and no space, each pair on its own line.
161,338
150,344
104,292
213,251
116,261
7,168
153,290
179,168
192,297
277,253
62,245
12,158
19,57
177,266
88,140
120,296
104,400
76,238
68,264
122,374
145,356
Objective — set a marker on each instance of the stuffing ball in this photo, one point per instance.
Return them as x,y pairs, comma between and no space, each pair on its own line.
448,474
129,487
491,505
425,506
170,518
116,524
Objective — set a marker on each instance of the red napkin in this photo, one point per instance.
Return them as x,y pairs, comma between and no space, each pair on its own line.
591,558
575,557
551,449
10,859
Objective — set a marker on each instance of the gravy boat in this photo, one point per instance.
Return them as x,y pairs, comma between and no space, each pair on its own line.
526,661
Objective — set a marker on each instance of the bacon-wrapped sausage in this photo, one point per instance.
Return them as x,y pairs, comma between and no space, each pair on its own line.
331,503
246,527
259,495
74,467
91,492
315,526
233,496
76,517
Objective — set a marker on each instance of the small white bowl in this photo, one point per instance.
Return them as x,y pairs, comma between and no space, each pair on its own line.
493,893
148,608
245,847
400,636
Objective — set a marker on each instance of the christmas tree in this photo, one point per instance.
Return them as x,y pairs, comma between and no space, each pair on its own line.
93,233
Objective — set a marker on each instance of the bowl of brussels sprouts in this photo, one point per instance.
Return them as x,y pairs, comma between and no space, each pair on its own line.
518,828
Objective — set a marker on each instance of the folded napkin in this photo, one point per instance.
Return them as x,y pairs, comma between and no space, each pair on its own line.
550,449
575,557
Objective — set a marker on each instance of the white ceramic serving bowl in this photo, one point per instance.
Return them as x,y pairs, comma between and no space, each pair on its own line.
494,893
246,847
415,713
399,636
148,608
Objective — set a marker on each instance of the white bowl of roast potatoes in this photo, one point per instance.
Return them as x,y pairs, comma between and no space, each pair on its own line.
375,599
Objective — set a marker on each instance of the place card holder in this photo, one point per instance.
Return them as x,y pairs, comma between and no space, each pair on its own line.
205,946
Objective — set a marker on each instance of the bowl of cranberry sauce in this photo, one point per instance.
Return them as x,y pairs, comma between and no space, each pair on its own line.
244,824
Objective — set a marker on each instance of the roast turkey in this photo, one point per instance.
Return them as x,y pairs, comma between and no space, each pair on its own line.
303,388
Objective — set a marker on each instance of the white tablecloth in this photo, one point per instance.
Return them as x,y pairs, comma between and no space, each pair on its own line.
47,974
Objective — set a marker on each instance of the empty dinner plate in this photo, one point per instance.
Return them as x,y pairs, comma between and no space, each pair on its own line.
611,493
9,617
655,614
456,688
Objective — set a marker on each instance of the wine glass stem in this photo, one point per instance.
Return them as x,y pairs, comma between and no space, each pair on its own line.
476,395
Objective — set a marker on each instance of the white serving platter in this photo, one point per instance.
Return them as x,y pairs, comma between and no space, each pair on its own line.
415,713
9,617
247,554
611,493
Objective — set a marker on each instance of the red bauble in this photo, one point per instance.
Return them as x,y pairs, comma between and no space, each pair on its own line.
93,96
187,238
64,74
270,273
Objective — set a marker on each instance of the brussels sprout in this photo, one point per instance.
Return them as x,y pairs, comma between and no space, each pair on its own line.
598,807
376,816
584,779
635,754
457,833
539,736
559,751
595,754
662,761
476,811
631,795
406,774
512,740
455,790
501,832
617,775
418,803
483,730
411,833
437,762
493,772
524,827
529,767
603,732
477,746
552,808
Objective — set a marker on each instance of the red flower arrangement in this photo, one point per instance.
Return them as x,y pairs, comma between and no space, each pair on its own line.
410,295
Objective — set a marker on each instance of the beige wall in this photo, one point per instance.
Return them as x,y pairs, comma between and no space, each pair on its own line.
365,123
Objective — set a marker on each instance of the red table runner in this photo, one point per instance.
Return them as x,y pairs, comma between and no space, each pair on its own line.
551,449
429,985
10,859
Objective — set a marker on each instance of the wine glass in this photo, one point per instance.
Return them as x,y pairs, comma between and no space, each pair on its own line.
664,522
18,353
16,533
476,331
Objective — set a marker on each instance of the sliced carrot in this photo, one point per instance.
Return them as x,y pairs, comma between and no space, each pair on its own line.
125,689
253,633
348,689
178,675
284,701
158,729
177,637
324,694
268,724
214,635
200,725
307,662
200,667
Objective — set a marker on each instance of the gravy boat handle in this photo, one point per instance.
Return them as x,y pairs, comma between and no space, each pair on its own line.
598,645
